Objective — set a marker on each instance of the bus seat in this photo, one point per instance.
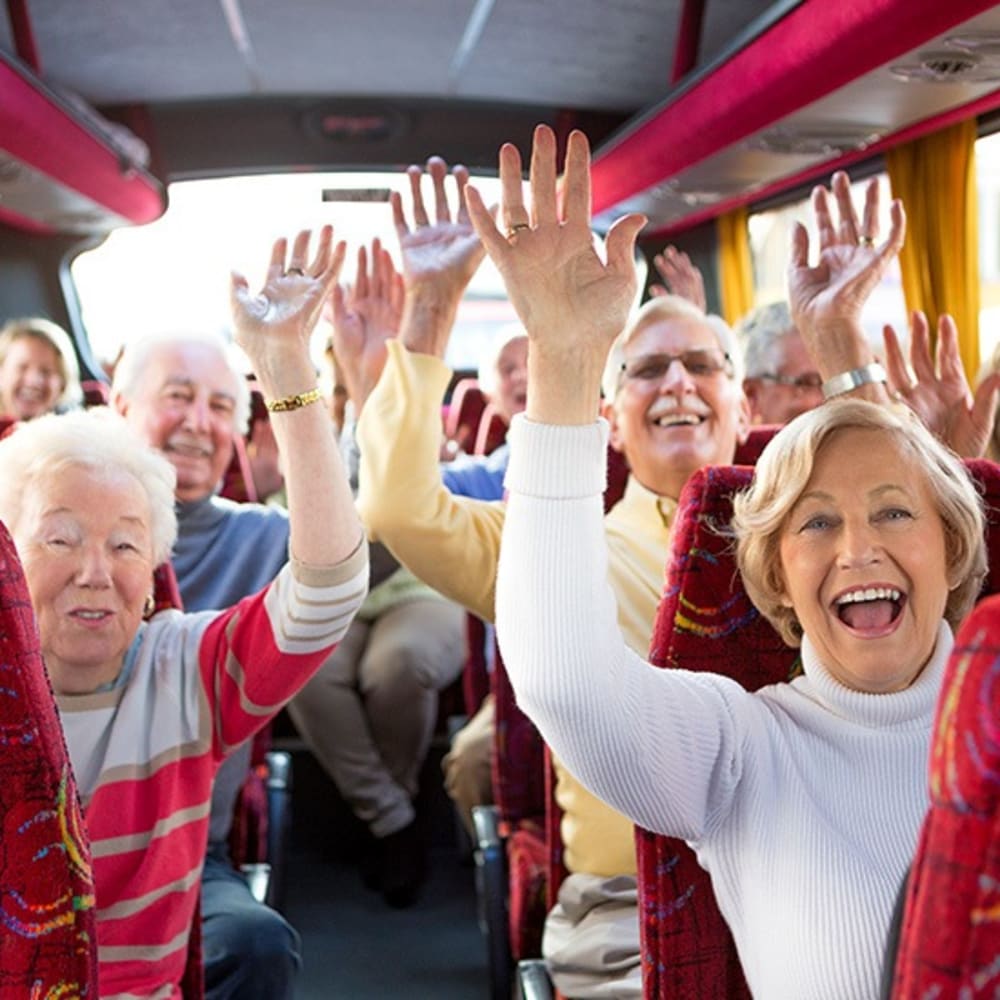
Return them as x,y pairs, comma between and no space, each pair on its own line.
950,938
749,451
47,917
237,480
465,410
96,392
491,431
707,622
511,851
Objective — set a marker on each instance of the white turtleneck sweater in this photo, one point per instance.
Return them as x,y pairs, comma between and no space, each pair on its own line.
802,800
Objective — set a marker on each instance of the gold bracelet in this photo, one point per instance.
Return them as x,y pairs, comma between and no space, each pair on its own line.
300,399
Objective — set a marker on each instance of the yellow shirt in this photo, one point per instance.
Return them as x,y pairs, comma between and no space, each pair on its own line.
452,543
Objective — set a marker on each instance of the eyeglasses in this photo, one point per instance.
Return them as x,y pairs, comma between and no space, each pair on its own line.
701,363
806,382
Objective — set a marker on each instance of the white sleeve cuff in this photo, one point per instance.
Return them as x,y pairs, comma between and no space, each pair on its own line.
556,461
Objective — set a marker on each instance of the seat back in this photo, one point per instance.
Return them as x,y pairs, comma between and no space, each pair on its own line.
950,938
707,622
491,432
465,410
48,942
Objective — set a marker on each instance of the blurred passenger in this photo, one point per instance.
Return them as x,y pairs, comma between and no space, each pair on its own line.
184,395
150,708
861,539
674,404
369,714
780,379
38,369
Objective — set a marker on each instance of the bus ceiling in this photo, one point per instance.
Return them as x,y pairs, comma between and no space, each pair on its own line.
693,106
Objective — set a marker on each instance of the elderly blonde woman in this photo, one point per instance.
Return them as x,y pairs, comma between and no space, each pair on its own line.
861,537
150,708
38,369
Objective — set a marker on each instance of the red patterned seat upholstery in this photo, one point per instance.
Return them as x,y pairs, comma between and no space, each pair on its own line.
950,938
463,414
707,622
48,945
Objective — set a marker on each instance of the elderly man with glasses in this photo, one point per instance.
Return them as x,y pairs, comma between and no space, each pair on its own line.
781,380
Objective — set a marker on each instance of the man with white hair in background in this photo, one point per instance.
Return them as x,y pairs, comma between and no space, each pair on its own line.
185,396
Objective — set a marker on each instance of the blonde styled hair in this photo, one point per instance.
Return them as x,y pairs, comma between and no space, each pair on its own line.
97,439
784,469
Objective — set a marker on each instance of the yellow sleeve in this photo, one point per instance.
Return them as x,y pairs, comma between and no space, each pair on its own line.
451,543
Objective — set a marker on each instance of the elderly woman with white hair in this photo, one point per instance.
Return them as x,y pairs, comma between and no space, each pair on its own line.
151,707
861,539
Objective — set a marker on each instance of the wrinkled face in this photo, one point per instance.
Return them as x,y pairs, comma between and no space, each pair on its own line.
30,382
864,562
183,406
669,421
777,400
512,378
84,539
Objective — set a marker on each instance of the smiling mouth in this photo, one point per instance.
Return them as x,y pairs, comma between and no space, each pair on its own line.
189,450
678,420
870,608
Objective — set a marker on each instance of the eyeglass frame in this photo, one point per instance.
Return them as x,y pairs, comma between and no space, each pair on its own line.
799,383
726,366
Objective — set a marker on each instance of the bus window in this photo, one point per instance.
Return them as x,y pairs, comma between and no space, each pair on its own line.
173,273
988,185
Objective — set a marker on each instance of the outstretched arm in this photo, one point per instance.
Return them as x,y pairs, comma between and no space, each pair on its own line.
680,277
273,328
826,299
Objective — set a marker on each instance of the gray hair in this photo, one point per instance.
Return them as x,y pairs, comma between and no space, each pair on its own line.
52,334
661,309
137,354
97,439
763,332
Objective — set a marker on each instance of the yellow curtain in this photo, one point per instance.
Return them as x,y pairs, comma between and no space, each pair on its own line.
735,266
936,179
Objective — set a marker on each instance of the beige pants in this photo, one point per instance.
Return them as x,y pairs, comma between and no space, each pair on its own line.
591,939
369,713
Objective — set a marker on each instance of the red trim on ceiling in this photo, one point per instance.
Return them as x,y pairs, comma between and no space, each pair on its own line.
688,39
39,132
821,172
814,50
24,36
18,221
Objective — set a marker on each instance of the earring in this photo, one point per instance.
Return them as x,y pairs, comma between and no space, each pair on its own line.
149,606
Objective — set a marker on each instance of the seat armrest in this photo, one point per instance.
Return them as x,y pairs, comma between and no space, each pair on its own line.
533,982
491,892
258,876
279,815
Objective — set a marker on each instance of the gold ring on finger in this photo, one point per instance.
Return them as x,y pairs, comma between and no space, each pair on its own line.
516,228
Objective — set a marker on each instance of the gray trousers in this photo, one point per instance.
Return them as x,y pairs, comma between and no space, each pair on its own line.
368,715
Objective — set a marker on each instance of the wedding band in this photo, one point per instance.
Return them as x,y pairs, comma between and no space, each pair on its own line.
866,241
515,229
295,270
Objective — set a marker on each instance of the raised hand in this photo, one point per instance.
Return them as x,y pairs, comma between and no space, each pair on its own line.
826,299
439,258
572,301
680,277
363,317
936,389
273,327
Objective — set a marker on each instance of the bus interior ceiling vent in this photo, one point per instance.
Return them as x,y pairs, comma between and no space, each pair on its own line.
967,59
